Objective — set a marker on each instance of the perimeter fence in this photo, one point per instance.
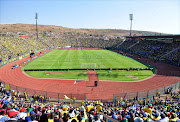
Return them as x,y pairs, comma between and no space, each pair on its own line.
47,94
148,93
130,95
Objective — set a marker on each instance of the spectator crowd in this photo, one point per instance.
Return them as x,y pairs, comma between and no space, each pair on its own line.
14,46
22,107
153,49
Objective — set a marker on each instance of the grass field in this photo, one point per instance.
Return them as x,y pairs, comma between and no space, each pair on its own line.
72,59
77,59
124,75
43,74
114,76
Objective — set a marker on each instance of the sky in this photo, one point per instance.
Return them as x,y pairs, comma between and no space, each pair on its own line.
148,15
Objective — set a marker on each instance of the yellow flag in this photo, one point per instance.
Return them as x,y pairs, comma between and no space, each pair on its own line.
7,86
65,97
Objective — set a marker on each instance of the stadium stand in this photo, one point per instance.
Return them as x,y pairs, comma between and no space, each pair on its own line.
155,49
22,107
158,50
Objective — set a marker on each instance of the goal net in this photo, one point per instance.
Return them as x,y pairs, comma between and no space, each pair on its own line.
88,65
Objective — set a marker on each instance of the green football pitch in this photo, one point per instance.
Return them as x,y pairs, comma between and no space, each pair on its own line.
82,59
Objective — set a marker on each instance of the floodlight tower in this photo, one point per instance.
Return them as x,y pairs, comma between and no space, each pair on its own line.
131,18
36,17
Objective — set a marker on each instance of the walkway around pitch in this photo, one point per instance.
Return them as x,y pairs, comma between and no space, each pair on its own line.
92,76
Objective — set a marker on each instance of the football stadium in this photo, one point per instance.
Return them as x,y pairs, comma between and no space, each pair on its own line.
58,74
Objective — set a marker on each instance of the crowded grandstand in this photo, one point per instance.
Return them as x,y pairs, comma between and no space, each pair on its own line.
22,107
18,106
166,50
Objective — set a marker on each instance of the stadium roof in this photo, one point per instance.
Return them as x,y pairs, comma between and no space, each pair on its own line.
157,37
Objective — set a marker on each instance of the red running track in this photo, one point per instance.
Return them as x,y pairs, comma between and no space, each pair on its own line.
166,75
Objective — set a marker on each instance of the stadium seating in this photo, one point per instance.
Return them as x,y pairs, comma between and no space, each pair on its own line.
17,46
22,107
152,49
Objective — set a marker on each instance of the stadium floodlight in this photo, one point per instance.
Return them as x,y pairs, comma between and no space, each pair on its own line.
36,17
131,18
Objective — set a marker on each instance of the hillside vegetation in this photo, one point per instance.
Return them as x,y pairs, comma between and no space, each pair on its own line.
60,29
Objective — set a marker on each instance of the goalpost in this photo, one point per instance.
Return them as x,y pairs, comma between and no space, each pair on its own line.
88,65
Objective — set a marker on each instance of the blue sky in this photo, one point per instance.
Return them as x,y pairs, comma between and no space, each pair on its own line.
149,15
